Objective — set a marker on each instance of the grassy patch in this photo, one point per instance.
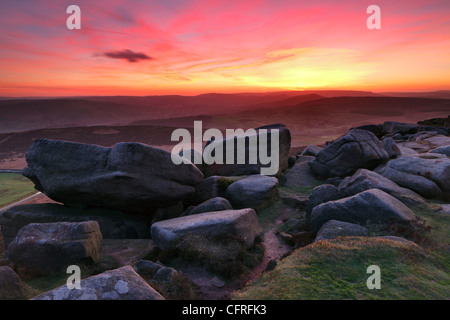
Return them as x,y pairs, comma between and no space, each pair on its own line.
337,270
14,187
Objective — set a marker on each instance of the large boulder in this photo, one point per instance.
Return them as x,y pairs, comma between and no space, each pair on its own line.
334,228
43,248
113,224
442,150
131,177
256,191
356,149
11,287
364,179
119,284
391,148
427,174
311,150
374,206
251,142
300,175
320,194
242,224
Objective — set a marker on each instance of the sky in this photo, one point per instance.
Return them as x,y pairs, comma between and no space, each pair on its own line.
146,47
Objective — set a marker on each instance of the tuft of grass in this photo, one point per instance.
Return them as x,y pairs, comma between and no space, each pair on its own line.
180,288
337,269
14,187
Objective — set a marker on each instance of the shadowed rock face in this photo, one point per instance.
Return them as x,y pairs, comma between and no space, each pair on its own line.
11,287
119,284
131,177
356,149
373,205
43,248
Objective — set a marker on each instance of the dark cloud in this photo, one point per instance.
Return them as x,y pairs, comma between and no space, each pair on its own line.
128,55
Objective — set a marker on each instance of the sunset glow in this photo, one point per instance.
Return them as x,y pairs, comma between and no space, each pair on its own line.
191,47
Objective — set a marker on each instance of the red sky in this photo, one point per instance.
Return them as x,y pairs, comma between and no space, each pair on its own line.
204,46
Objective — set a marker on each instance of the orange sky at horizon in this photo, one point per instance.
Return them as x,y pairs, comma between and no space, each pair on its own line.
198,46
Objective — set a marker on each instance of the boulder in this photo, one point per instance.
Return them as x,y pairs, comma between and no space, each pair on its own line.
2,244
416,147
43,248
311,150
165,274
131,177
250,142
391,148
356,149
242,224
376,129
211,205
406,151
11,287
364,179
321,194
147,268
428,174
169,212
399,127
442,150
113,224
334,228
374,206
256,191
438,140
300,175
119,284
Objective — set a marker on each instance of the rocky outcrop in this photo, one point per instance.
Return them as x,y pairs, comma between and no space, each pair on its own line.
364,179
334,228
427,174
442,150
356,149
241,224
43,248
321,194
373,206
119,284
247,168
311,150
113,224
211,205
300,175
256,191
131,177
11,287
391,148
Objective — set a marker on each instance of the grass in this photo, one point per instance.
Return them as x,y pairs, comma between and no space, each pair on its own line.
337,270
14,187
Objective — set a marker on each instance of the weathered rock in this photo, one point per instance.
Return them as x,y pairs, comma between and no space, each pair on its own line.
165,274
119,284
113,224
2,244
242,224
43,248
334,228
373,206
11,287
211,205
250,142
131,177
406,151
442,150
364,179
311,150
300,175
356,149
427,174
256,192
321,194
147,268
414,146
376,129
438,140
391,148
399,127
169,212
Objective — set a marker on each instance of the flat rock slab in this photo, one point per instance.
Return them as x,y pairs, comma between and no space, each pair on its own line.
131,177
242,224
255,191
43,248
113,224
119,284
373,206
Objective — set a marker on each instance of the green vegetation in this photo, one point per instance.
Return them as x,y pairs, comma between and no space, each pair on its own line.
14,187
337,270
